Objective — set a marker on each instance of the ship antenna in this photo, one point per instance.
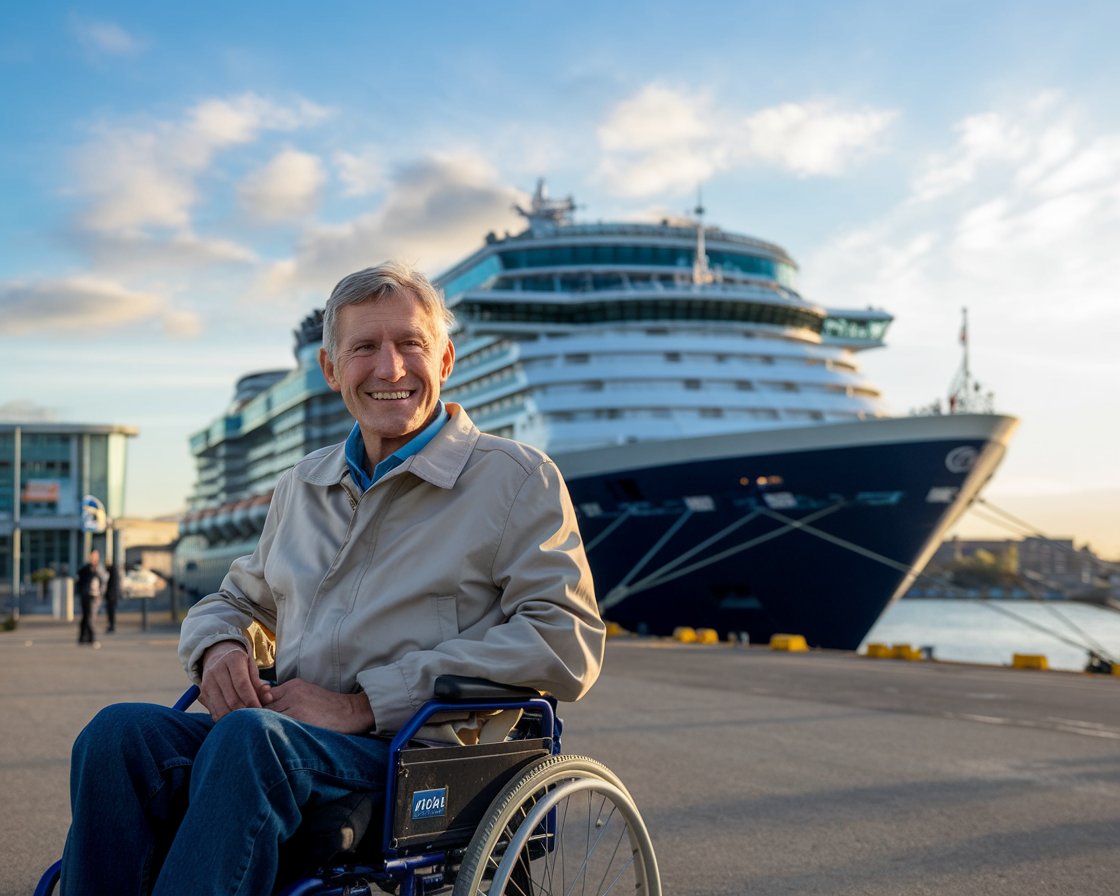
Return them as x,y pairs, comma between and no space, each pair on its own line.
701,272
964,394
546,215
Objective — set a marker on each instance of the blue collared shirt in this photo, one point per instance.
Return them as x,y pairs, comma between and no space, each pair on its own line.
356,450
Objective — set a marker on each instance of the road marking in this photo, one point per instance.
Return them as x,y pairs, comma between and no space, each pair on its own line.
1069,726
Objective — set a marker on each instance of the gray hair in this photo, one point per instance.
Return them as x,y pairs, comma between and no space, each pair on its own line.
373,284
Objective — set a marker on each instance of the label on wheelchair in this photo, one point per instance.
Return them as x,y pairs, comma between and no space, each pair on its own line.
443,792
429,803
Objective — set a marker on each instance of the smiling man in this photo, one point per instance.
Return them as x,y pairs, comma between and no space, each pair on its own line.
416,548
389,364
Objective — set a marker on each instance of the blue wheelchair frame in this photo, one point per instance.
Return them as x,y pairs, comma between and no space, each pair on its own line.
415,870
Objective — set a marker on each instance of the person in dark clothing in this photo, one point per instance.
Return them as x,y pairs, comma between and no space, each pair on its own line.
90,587
112,596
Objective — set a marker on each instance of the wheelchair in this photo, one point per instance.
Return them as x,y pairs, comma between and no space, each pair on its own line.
513,818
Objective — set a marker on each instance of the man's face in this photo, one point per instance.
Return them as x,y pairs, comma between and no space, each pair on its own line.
94,558
389,365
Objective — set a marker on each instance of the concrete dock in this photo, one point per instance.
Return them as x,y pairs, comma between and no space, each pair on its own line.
758,772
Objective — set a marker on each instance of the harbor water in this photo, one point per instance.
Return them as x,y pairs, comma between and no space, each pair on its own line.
991,631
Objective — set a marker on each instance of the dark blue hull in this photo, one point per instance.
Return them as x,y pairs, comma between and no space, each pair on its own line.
812,541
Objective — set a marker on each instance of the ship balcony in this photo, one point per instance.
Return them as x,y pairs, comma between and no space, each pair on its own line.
660,400
732,346
629,372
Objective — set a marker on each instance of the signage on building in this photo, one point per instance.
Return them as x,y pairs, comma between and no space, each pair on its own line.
93,514
41,491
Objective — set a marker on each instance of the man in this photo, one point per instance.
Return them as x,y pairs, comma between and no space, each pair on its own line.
90,586
418,547
112,596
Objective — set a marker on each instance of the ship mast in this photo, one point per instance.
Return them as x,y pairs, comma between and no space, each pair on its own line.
965,396
701,271
959,392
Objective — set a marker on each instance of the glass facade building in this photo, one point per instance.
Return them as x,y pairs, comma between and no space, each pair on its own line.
45,471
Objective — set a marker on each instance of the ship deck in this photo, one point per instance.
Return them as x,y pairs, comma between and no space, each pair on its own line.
757,771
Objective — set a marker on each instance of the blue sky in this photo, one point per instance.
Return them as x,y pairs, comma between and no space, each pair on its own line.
182,183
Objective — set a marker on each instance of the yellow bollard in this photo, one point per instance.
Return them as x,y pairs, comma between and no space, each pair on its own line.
791,643
684,634
614,630
905,652
707,636
1029,661
878,651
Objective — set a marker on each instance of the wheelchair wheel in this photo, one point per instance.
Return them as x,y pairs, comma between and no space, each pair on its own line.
565,825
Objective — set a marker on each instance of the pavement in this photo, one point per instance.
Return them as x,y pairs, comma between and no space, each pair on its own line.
49,688
757,772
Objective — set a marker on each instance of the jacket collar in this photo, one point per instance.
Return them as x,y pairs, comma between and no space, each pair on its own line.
440,462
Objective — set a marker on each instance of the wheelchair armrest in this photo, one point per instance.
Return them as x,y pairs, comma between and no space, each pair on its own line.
187,700
464,687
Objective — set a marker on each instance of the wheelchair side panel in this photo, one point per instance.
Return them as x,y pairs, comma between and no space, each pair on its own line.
443,792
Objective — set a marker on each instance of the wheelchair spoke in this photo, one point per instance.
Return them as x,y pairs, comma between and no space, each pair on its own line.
567,828
596,823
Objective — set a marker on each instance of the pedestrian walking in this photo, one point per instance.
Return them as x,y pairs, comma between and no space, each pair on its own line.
90,586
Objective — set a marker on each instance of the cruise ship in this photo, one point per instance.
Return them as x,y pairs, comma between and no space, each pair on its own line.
730,465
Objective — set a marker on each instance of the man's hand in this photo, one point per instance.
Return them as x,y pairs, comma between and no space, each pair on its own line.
306,702
230,680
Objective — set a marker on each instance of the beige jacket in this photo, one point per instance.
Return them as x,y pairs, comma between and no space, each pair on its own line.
465,559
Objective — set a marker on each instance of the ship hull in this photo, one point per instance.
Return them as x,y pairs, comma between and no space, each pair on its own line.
813,530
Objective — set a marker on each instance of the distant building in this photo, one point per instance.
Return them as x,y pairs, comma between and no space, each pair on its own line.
46,470
275,418
1040,567
149,543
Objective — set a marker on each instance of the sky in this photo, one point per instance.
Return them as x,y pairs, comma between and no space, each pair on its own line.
182,183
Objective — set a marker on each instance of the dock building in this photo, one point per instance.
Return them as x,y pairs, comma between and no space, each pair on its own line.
47,469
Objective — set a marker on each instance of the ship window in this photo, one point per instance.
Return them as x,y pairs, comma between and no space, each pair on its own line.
692,384
673,356
598,311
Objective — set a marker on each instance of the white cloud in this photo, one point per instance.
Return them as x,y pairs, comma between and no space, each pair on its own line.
361,174
656,117
811,139
668,140
78,303
987,138
1026,208
180,253
105,38
1039,221
134,178
434,212
288,186
181,323
1017,219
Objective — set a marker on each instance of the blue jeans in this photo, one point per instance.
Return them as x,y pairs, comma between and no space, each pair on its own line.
167,802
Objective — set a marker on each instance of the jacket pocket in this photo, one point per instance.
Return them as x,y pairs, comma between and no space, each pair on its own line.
447,613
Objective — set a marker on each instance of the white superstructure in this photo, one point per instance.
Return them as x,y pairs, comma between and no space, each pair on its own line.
580,335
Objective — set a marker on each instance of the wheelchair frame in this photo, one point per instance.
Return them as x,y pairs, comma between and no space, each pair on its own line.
538,795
